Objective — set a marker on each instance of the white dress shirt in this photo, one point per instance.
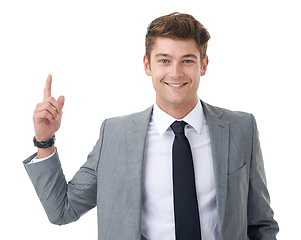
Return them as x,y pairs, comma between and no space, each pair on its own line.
157,217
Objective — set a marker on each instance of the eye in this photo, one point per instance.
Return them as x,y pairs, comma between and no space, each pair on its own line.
163,61
188,61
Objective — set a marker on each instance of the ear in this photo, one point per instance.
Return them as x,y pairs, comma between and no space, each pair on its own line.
146,64
204,65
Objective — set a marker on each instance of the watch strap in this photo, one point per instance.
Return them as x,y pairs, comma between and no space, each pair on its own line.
46,144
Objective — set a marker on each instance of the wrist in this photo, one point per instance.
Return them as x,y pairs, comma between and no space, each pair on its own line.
45,152
44,144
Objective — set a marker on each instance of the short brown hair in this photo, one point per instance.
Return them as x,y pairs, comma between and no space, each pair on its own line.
177,26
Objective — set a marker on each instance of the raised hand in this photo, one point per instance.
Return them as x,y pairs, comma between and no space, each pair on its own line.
48,114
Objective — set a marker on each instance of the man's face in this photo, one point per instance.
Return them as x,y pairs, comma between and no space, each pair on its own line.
175,67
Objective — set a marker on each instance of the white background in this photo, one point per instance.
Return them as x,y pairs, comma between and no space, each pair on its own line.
94,51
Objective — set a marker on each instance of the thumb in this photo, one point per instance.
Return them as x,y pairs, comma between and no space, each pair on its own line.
61,101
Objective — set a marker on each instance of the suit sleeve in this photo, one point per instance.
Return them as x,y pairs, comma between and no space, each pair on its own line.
66,202
261,223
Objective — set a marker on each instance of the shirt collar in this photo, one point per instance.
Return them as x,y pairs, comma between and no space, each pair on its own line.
163,120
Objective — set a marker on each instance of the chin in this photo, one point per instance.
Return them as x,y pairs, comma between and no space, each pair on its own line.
178,102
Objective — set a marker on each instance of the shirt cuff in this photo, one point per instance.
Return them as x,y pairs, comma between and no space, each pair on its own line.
36,159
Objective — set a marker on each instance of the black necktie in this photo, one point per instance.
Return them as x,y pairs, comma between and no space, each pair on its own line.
186,210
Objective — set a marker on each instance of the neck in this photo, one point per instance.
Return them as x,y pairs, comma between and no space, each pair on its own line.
177,111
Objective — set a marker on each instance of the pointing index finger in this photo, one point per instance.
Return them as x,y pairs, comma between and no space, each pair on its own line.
47,89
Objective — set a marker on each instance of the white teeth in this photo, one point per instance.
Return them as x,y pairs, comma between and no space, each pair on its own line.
176,85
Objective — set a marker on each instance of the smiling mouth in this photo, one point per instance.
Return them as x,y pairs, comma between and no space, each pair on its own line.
175,85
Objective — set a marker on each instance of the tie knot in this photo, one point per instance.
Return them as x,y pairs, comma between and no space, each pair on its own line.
178,127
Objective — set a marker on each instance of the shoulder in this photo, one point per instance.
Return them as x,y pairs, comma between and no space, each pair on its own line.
226,114
236,119
126,121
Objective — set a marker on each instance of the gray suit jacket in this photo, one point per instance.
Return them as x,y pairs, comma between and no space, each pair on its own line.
112,179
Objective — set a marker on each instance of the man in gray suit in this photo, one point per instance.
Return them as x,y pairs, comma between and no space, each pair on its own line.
130,174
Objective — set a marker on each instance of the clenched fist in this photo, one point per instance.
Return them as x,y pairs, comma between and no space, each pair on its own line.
48,114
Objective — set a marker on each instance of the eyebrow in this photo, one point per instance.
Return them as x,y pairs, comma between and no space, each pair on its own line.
190,56
169,56
162,55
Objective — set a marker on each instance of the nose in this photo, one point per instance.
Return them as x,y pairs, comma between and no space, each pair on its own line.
176,70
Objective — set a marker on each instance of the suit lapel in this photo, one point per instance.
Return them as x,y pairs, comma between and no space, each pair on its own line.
219,137
135,155
136,139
